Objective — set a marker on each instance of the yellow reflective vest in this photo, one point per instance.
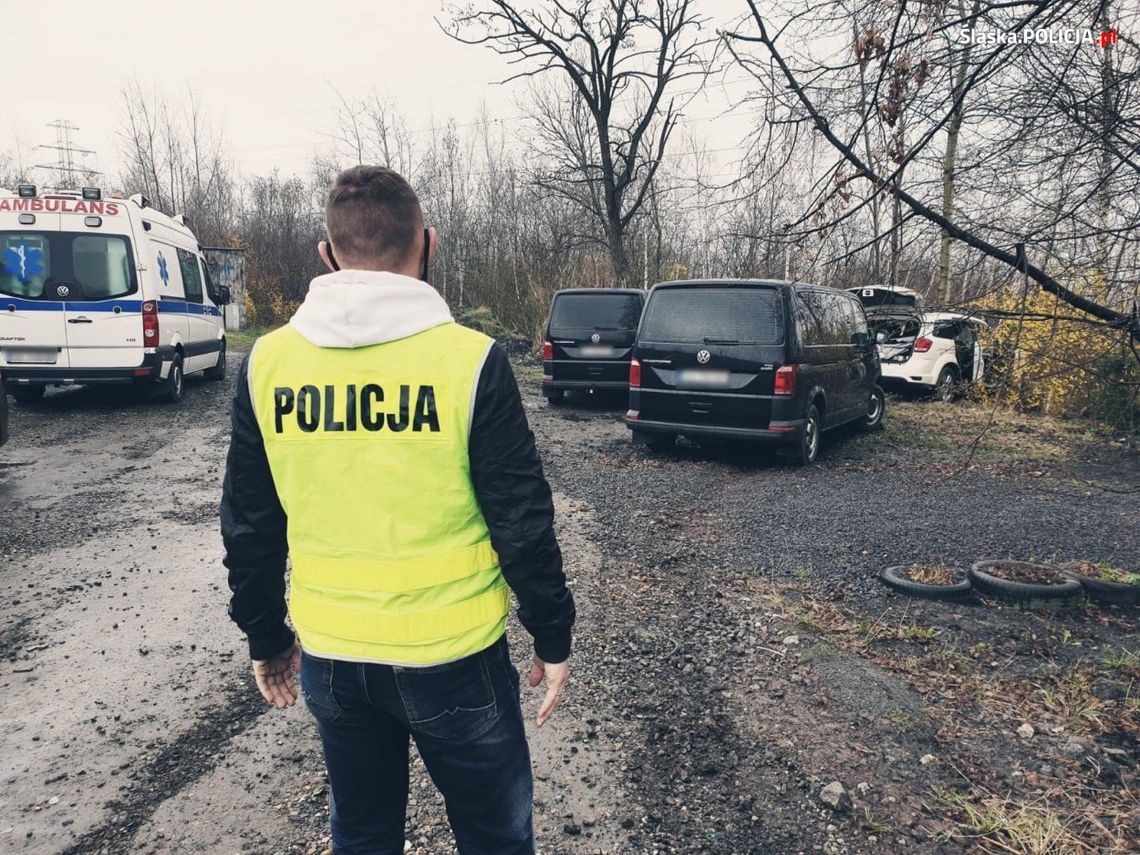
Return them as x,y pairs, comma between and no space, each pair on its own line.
392,559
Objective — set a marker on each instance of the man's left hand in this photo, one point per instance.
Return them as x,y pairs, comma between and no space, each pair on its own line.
276,678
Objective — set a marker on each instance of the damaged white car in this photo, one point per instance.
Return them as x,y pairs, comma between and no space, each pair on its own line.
936,353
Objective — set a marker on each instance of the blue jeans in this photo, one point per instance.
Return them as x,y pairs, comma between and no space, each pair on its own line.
467,722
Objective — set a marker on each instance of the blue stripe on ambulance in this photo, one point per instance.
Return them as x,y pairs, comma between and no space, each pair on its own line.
165,305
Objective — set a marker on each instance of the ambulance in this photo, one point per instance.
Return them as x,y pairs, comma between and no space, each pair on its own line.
100,290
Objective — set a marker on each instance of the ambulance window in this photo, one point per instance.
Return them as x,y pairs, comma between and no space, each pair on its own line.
209,280
170,272
26,264
191,276
101,266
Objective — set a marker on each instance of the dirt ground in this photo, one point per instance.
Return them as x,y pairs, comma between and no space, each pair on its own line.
737,664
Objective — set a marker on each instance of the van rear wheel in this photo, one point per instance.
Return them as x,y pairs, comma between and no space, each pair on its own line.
172,387
28,394
876,409
805,448
218,371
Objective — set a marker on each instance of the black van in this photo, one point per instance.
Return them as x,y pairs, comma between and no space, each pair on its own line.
589,337
752,359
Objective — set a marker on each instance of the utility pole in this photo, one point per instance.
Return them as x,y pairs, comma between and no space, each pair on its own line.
65,165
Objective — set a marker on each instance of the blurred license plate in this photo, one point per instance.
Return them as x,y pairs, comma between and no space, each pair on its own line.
596,351
703,377
26,355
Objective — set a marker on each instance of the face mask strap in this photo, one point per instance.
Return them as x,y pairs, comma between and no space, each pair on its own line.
427,259
329,252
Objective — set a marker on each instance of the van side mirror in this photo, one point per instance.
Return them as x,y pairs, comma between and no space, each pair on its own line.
221,295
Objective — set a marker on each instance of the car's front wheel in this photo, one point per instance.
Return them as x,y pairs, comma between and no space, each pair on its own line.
876,409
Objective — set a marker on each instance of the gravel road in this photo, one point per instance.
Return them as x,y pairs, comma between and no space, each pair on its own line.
704,715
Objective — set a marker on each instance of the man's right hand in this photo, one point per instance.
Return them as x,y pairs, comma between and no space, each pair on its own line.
275,677
556,678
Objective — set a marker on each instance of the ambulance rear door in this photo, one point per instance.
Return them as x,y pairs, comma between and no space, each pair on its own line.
33,329
104,310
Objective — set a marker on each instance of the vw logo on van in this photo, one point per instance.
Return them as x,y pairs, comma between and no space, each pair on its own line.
595,338
703,356
62,290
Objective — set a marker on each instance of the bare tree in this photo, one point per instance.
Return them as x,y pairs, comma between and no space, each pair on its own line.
623,61
174,157
1026,90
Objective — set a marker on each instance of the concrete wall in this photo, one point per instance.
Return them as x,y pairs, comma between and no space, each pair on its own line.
227,267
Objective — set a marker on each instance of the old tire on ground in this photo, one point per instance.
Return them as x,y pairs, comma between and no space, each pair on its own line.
876,410
27,394
1019,592
895,577
1107,593
218,371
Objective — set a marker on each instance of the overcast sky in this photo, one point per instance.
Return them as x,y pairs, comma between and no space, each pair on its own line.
265,71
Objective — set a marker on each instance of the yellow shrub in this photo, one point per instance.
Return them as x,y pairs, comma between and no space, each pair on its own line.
1051,360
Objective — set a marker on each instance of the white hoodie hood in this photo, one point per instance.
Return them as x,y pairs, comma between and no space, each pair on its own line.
358,308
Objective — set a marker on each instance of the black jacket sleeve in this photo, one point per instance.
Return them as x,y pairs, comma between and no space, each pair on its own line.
519,510
253,530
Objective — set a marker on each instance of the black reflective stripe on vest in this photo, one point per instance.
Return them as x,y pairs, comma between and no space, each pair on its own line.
336,409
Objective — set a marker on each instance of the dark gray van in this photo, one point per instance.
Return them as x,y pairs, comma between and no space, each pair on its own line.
589,338
762,360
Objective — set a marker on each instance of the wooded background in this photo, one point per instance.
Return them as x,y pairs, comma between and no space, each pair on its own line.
885,144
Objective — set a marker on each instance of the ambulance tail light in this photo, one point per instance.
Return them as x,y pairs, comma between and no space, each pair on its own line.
150,323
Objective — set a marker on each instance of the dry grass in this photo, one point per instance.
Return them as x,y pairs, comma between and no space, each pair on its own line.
994,824
974,689
241,341
934,574
952,429
1104,571
528,374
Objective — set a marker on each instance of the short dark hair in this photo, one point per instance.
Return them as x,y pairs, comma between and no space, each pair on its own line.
373,214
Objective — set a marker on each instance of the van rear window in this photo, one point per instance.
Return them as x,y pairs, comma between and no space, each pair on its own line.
729,315
91,266
596,311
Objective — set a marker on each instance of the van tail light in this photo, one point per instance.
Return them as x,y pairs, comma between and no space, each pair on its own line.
922,344
150,323
634,374
547,350
785,380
